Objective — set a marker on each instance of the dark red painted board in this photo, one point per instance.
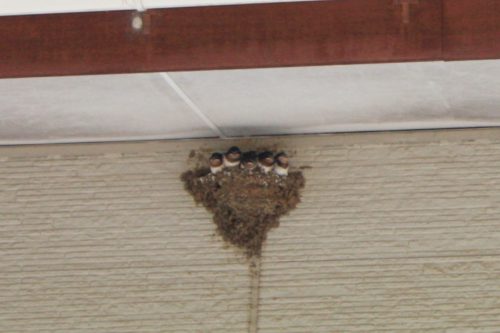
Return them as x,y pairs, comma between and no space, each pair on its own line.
239,36
471,29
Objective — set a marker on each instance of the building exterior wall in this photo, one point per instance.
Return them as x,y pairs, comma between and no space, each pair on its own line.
397,232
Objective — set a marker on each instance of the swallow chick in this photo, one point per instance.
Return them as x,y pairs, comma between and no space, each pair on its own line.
232,157
249,161
216,163
281,164
266,161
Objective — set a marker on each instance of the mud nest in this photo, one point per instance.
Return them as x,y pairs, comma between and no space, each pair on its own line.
245,205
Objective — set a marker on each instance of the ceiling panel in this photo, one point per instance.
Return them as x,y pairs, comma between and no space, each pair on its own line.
94,108
347,98
28,7
250,102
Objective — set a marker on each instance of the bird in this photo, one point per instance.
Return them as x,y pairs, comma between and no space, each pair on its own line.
216,163
249,161
266,161
232,157
281,164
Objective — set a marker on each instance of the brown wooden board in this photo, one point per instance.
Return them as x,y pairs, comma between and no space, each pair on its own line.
471,29
237,36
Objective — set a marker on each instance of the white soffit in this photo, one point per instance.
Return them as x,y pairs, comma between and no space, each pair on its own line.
348,98
248,102
28,7
94,108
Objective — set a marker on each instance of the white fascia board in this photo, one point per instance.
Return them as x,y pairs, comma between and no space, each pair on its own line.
30,7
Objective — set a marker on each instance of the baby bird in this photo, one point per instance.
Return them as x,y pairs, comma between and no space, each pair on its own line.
216,163
232,157
266,161
249,161
281,166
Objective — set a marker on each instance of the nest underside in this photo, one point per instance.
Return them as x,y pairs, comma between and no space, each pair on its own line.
245,205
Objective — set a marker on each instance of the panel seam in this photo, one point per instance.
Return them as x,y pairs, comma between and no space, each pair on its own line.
192,105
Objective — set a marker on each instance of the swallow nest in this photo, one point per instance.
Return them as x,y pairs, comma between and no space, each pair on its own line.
245,204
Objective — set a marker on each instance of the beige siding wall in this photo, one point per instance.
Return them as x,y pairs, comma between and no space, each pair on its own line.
397,232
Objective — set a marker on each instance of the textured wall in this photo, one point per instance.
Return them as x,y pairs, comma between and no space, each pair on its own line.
397,232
